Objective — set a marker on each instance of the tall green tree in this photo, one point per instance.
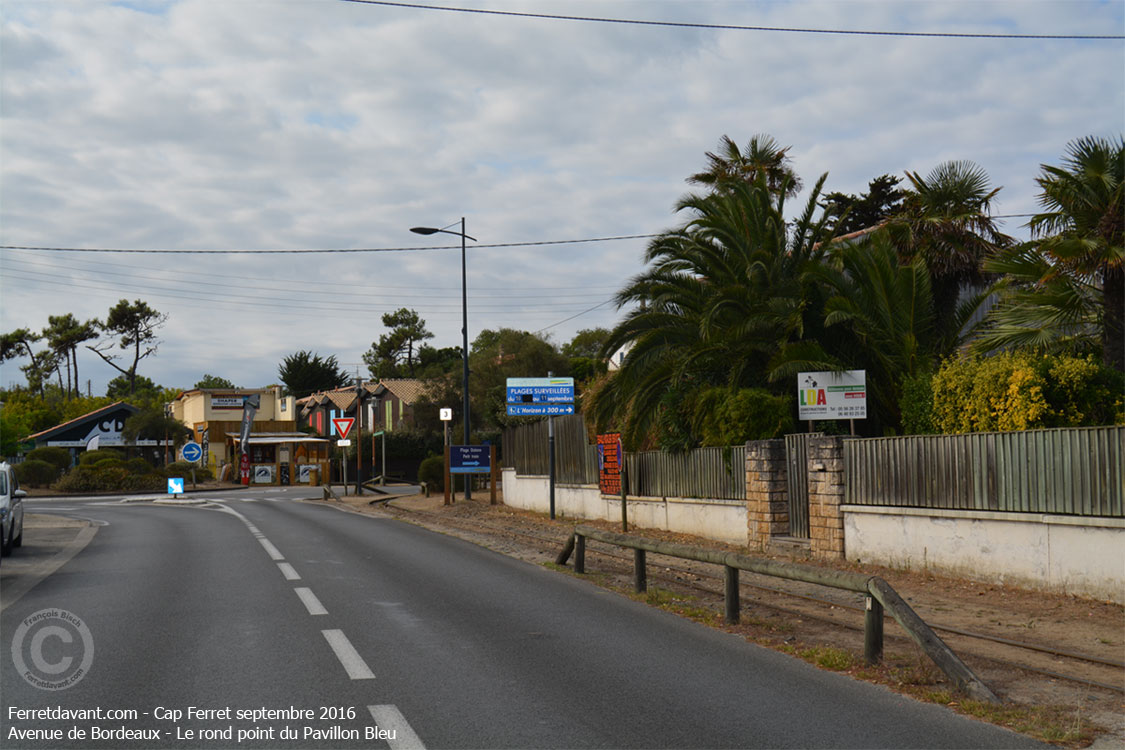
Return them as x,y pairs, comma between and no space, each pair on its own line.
1082,228
723,302
946,221
305,373
761,157
64,334
134,326
213,381
851,213
395,353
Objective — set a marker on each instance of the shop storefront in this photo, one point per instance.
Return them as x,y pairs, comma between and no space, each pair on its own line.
280,458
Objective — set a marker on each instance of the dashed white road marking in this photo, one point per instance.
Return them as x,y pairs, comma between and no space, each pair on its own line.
289,572
312,604
353,663
274,552
392,720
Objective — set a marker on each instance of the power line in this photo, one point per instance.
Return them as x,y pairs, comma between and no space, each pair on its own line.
306,251
576,315
733,27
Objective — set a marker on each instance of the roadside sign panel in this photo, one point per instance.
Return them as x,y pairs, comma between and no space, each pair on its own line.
469,459
832,395
535,410
540,391
343,426
176,486
610,456
192,451
445,414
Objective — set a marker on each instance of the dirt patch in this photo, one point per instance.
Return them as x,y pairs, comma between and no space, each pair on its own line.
1046,693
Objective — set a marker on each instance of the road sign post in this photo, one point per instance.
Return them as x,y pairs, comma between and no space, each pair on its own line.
549,397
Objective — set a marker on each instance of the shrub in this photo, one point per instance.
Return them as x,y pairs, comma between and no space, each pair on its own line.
59,457
183,469
104,454
1023,391
726,417
36,473
917,404
93,478
138,466
432,472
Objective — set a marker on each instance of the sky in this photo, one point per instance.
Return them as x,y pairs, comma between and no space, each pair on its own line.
322,124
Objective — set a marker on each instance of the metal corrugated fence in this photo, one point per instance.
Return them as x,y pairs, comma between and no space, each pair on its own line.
1072,471
718,473
713,473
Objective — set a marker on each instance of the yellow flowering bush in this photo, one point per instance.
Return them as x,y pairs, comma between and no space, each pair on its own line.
1024,391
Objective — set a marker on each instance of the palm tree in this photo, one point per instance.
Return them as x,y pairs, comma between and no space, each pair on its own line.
945,221
1082,228
883,317
762,156
723,297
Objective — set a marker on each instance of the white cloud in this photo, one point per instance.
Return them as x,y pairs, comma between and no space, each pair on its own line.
205,124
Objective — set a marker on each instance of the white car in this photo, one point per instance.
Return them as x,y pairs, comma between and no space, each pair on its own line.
11,510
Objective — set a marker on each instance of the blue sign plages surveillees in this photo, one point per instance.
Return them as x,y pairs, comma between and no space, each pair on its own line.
469,459
528,397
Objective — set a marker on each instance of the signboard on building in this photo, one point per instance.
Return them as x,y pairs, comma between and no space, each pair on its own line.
832,395
469,459
610,459
226,401
528,397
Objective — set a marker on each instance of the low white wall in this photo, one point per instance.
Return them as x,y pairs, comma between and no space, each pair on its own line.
722,520
1064,554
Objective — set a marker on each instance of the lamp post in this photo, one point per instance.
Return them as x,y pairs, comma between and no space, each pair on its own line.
464,328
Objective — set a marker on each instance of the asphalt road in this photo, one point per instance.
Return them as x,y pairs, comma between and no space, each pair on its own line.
368,632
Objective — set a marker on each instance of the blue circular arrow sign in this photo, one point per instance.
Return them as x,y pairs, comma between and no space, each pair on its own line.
192,451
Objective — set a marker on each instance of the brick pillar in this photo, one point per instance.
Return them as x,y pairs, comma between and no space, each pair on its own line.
826,493
767,492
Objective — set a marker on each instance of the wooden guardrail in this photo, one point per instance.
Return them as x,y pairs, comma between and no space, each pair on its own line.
880,597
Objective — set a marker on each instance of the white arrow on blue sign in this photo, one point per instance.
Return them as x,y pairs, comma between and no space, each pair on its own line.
176,486
192,451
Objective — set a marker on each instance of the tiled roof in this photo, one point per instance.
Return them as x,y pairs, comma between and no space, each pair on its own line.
407,390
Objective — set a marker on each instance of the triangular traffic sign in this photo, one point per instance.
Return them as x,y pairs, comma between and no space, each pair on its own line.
343,426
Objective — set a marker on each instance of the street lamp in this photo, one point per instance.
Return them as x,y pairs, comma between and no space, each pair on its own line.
464,327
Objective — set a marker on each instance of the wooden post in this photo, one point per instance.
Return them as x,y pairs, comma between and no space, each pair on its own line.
446,479
640,578
624,491
579,553
873,631
568,548
733,602
492,475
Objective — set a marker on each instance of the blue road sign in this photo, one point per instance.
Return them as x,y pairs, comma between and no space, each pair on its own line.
192,451
539,410
469,459
176,486
540,391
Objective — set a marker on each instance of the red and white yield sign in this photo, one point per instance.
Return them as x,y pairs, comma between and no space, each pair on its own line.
343,426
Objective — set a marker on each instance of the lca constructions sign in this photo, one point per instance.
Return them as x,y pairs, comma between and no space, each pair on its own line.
832,395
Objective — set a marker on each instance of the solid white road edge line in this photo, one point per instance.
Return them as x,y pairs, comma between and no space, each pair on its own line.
391,719
312,604
289,571
353,663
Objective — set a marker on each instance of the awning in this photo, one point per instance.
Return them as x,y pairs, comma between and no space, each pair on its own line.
278,439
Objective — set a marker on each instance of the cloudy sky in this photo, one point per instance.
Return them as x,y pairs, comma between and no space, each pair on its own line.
321,124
